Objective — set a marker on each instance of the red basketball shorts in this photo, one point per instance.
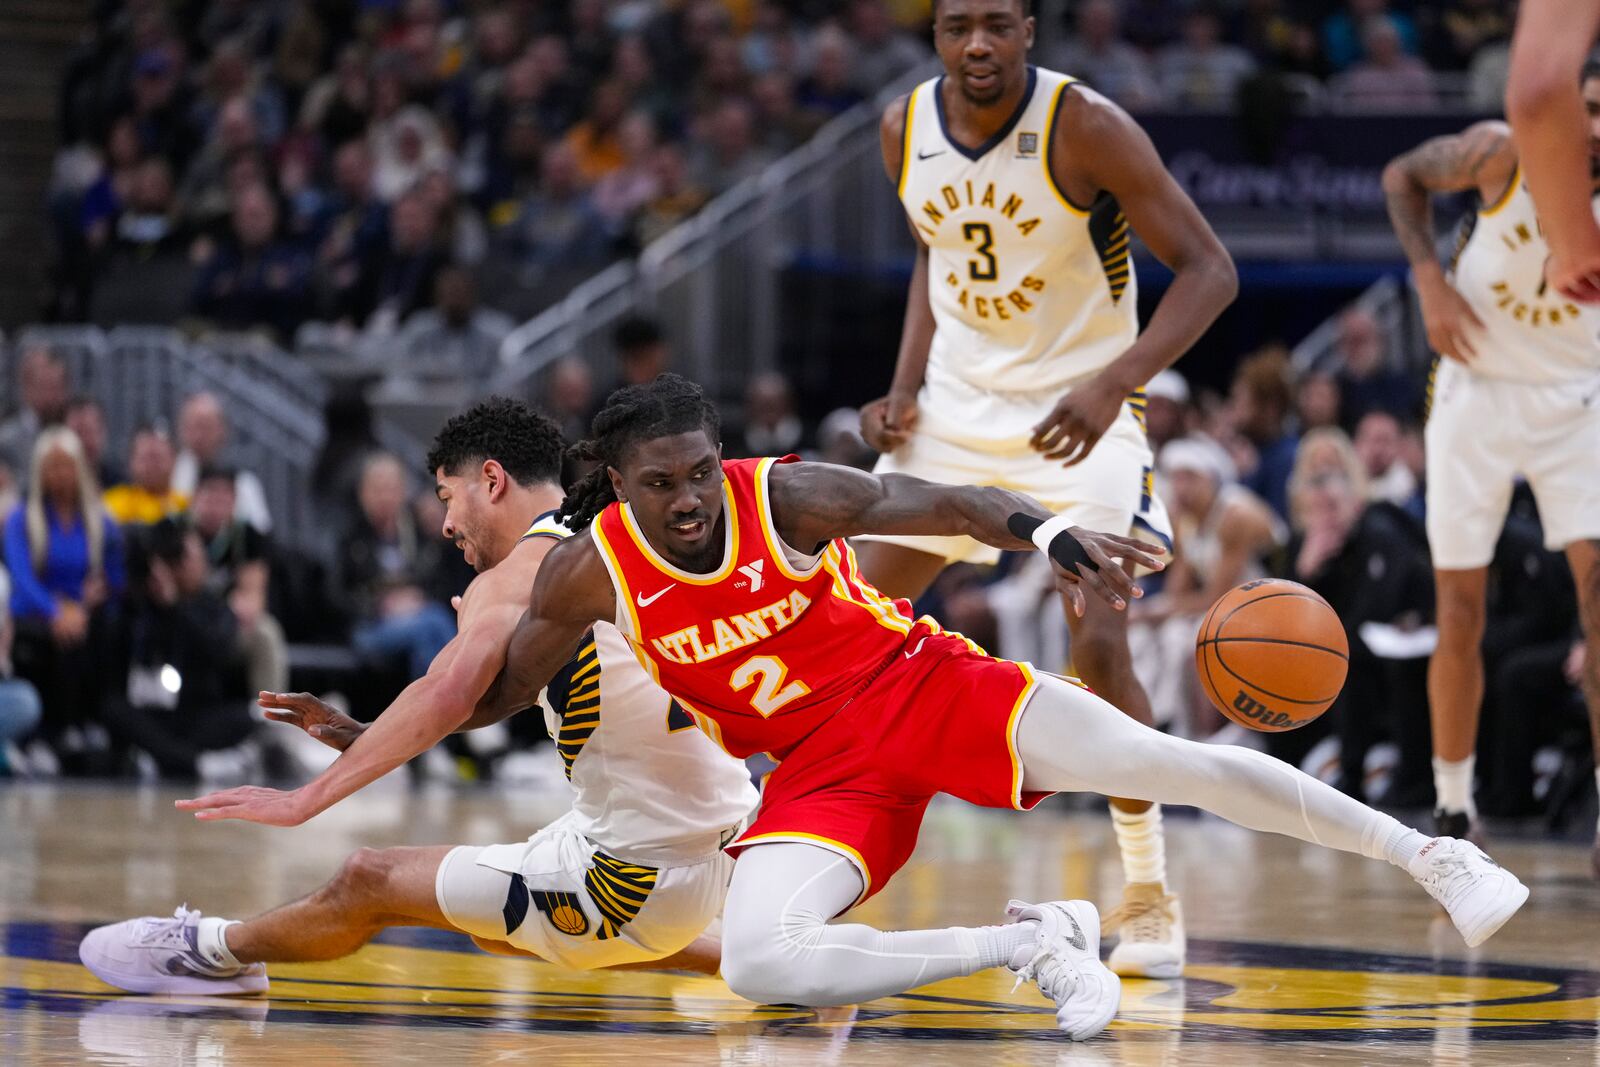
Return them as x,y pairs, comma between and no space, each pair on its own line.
940,718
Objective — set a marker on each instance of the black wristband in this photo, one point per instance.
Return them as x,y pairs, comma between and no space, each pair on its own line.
1064,548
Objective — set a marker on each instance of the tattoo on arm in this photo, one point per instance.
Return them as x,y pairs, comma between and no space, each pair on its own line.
1441,164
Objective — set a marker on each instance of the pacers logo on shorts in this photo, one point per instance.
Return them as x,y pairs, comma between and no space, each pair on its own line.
563,911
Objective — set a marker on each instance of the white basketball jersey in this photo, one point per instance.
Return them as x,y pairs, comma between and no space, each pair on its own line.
651,788
1030,292
1535,334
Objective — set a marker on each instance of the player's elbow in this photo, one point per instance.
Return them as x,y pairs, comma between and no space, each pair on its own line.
1531,89
1397,179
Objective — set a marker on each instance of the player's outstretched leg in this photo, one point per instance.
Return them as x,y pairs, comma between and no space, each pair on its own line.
1071,740
1149,922
190,953
778,946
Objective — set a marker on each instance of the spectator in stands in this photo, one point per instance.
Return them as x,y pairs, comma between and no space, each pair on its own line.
390,573
727,152
87,419
239,557
206,194
569,397
677,196
1097,53
1167,411
642,352
771,426
621,194
252,278
20,709
402,279
1366,382
42,383
882,52
558,234
839,440
1317,399
64,555
782,126
1260,400
1486,77
832,87
596,141
1463,28
105,200
145,226
149,495
462,232
1202,70
407,143
354,231
1387,79
1377,443
774,42
1223,536
203,432
1370,562
173,689
339,105
1344,33
457,336
161,103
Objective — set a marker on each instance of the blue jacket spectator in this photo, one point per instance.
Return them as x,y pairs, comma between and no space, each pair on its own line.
1342,39
253,278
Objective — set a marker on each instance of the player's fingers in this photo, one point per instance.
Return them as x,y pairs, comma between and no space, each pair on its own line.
1065,443
1464,348
1138,552
1115,578
293,718
1046,432
1084,447
224,799
1075,598
1096,581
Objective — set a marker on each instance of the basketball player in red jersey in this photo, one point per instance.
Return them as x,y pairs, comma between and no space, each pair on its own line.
1022,363
738,591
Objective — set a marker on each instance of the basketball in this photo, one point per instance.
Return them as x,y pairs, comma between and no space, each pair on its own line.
1271,655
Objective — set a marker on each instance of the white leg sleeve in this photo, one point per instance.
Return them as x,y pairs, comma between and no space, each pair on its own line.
1072,741
778,947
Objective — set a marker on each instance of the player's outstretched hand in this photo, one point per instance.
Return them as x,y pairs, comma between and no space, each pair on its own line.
1078,421
251,803
316,717
1110,582
887,421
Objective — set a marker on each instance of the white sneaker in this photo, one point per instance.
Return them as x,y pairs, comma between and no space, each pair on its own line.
1479,894
1065,963
1151,941
156,955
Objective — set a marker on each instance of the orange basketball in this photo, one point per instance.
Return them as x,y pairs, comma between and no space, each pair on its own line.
1272,655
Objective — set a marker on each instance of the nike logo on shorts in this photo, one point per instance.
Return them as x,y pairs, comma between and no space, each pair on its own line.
646,601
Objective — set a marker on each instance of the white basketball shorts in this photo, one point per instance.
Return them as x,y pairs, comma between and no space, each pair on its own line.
1482,433
561,897
965,436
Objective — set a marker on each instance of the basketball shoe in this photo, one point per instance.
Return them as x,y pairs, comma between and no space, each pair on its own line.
1064,961
1149,924
156,955
1479,894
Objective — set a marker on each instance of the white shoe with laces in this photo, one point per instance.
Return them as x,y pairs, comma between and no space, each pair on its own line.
156,955
1149,923
1064,961
1479,894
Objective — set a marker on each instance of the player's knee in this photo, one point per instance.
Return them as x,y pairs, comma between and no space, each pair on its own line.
1462,614
776,966
364,874
752,970
1100,655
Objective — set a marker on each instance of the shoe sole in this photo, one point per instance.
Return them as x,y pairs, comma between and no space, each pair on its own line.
1485,926
1104,1020
1136,970
243,985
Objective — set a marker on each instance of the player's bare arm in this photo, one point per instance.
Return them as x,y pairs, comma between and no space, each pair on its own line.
1483,158
1098,148
815,502
887,421
427,711
571,594
1552,39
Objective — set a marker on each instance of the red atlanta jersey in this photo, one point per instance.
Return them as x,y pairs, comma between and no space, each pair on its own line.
770,645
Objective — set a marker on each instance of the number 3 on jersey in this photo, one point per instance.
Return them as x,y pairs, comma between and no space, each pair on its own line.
771,692
981,235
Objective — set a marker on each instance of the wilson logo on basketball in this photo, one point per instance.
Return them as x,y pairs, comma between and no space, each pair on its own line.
1251,708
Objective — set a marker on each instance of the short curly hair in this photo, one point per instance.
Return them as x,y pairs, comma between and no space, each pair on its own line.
525,442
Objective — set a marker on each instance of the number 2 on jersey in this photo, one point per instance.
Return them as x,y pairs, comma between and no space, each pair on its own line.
983,236
771,693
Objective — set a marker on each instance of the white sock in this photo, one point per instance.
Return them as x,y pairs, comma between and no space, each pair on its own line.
1452,781
212,942
1003,946
1143,845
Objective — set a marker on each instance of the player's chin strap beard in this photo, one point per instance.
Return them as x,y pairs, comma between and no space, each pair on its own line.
1052,538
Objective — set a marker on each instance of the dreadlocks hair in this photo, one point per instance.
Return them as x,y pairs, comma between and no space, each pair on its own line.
523,441
669,405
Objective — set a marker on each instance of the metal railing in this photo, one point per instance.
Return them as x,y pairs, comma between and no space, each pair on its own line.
275,407
1392,304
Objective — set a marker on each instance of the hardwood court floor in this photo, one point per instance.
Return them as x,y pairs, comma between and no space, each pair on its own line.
1298,955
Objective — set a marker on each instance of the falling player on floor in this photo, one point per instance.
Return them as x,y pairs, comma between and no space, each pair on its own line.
734,583
632,875
1021,362
1517,393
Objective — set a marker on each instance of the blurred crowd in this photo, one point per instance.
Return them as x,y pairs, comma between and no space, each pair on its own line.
1375,55
397,168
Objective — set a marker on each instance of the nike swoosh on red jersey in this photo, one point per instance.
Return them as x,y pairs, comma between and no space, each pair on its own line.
646,601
